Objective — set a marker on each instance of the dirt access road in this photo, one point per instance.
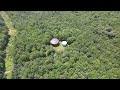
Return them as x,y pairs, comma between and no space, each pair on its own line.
12,32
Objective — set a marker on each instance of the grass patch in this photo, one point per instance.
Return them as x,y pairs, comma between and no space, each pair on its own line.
59,48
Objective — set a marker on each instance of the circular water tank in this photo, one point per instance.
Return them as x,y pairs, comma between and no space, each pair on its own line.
54,41
64,43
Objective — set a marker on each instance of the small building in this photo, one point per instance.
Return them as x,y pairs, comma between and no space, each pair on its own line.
64,43
54,42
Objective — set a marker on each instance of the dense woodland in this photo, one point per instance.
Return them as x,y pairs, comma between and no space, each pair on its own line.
93,49
3,43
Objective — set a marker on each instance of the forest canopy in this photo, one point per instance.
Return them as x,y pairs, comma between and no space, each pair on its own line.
3,42
92,51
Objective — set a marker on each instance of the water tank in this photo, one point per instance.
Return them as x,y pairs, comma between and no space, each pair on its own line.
64,43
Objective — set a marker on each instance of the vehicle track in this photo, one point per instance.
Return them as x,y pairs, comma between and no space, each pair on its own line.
12,32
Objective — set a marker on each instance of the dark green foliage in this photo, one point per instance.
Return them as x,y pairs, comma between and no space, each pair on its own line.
93,49
3,42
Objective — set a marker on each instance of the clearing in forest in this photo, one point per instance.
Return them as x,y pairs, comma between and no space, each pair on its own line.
59,48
